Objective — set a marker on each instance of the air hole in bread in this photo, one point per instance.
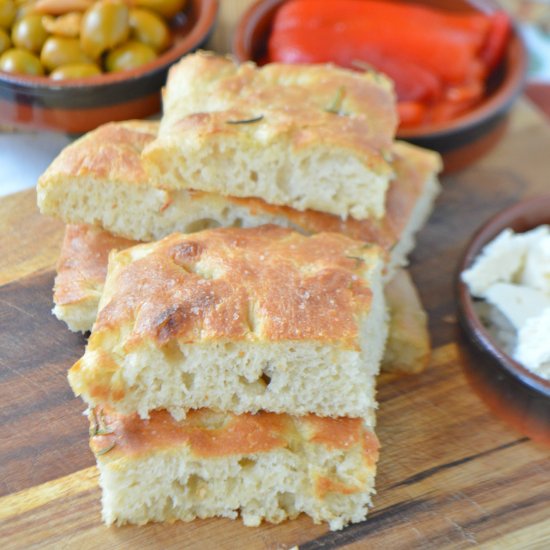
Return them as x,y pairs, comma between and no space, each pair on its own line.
187,379
287,501
266,379
196,485
253,176
257,387
173,354
246,463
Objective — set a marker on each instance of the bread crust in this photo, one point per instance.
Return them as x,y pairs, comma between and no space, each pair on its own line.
82,264
111,152
204,91
210,434
266,283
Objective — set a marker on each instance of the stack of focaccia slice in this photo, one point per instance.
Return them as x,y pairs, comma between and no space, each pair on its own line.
233,369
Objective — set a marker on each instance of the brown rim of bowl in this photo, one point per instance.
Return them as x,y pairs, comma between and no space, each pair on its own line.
522,216
499,101
207,9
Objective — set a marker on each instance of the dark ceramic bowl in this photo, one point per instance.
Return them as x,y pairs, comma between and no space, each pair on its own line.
76,106
462,140
513,392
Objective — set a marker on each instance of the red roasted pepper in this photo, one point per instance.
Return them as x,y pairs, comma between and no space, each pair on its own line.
437,59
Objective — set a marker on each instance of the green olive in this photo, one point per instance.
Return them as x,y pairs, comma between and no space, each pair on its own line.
58,51
28,33
147,27
129,56
104,26
166,8
8,10
75,70
5,42
20,62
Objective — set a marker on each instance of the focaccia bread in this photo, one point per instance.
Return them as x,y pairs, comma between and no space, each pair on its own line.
83,267
408,348
81,272
306,136
266,466
100,180
243,320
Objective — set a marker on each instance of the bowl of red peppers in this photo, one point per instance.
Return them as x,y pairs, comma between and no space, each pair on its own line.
457,65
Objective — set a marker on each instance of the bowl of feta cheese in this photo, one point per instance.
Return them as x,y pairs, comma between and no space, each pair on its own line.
503,298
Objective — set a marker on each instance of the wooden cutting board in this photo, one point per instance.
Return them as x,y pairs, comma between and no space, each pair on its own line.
450,475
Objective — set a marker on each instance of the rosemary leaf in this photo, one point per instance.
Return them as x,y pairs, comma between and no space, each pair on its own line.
336,103
245,120
105,450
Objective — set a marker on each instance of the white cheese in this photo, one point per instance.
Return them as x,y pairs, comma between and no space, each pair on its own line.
533,347
512,273
517,302
499,261
536,272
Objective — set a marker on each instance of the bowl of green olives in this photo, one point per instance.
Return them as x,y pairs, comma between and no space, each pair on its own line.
71,65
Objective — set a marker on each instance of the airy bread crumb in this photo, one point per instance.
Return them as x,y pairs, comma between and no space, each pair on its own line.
263,467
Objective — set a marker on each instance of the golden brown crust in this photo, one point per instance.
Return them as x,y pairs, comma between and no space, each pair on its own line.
111,152
266,284
82,264
209,434
334,433
301,104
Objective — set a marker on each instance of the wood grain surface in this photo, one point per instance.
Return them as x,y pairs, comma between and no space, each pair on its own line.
450,475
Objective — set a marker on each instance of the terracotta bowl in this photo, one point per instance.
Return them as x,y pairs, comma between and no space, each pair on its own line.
514,393
76,106
460,141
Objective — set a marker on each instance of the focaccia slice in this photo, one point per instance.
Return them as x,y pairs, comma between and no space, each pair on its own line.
306,136
239,320
264,466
